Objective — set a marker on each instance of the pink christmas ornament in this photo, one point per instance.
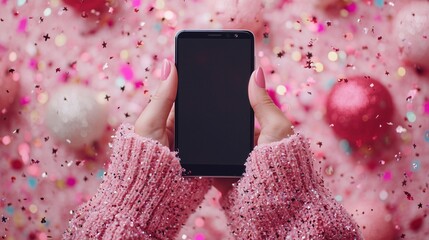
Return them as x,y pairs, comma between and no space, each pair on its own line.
359,109
8,90
411,27
240,14
75,117
373,219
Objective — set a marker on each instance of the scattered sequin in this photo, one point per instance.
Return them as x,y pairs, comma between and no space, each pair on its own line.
281,90
415,165
401,71
32,182
387,176
47,12
383,195
411,117
345,146
60,40
329,170
10,210
100,174
332,56
199,236
379,3
339,198
33,208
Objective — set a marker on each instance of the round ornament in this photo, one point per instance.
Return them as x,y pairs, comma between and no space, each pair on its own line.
411,27
74,116
359,109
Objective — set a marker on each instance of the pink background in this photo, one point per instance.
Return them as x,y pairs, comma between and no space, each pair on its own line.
37,198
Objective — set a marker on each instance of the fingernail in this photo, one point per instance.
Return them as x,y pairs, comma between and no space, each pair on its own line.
260,78
166,68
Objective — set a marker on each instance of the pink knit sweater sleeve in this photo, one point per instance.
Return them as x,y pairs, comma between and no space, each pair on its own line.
142,196
280,196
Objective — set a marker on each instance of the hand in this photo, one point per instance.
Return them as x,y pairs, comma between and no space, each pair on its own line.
157,119
274,125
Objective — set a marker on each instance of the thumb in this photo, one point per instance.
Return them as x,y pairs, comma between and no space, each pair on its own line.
155,115
266,111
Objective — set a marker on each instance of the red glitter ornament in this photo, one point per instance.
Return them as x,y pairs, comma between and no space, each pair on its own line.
359,109
87,5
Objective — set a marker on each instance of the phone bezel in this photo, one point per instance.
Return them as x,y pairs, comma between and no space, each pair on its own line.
214,170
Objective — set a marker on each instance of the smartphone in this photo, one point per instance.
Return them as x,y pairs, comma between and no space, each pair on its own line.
214,121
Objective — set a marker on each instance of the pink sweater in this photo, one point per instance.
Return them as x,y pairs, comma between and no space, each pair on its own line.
144,196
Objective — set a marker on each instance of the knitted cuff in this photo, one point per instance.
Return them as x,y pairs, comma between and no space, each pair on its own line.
143,189
286,165
279,192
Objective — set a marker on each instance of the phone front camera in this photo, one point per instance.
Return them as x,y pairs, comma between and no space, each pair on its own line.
236,35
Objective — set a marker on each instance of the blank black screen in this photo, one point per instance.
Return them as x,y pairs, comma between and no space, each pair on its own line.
214,120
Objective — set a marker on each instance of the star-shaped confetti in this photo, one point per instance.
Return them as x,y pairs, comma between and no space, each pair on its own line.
46,37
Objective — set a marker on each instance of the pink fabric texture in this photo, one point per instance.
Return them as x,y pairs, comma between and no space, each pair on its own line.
282,197
144,196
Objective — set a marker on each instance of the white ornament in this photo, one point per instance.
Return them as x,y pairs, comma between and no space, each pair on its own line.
412,32
74,116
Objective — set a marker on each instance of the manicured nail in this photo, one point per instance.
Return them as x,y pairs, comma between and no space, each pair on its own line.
260,78
166,68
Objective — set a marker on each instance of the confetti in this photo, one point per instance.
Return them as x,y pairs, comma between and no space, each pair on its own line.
415,165
401,71
32,182
383,195
332,56
379,3
387,176
409,197
46,37
411,117
345,146
127,72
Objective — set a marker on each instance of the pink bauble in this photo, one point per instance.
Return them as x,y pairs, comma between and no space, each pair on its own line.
411,29
373,219
8,90
87,5
359,109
